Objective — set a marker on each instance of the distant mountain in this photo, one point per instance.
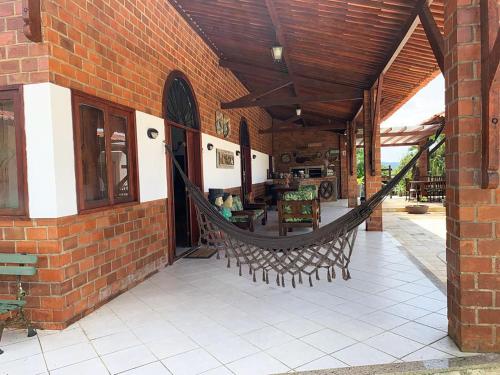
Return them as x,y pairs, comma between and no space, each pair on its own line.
393,164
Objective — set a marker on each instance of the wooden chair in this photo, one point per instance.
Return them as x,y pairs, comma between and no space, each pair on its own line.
297,210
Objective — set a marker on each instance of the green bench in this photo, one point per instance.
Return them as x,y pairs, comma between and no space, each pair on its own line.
17,265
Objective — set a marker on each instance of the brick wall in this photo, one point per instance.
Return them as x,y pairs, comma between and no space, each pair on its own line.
304,143
20,60
473,214
85,260
124,52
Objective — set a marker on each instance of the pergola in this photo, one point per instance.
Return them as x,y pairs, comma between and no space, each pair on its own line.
408,135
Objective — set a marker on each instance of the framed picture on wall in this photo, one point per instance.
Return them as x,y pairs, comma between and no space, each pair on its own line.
224,159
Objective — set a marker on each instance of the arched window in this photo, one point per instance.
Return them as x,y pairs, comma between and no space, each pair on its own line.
181,106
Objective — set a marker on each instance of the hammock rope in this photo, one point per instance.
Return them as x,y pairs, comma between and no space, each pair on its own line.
326,248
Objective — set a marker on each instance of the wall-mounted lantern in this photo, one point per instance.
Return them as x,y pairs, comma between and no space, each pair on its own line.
152,133
254,156
210,147
237,152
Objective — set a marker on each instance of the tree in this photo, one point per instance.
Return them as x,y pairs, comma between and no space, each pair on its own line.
360,171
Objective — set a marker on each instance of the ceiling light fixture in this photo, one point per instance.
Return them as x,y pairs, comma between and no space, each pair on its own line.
298,111
277,52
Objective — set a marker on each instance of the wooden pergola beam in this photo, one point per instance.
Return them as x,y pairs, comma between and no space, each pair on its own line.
270,101
407,133
433,34
490,95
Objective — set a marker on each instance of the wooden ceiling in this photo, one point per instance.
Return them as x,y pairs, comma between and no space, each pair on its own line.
333,50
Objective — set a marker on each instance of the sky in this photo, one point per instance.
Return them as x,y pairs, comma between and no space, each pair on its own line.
428,102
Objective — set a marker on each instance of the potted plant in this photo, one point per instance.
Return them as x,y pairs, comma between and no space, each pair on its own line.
418,208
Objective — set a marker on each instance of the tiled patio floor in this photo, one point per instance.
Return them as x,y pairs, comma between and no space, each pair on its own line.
199,317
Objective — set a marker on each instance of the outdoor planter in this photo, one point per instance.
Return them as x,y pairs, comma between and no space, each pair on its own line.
417,209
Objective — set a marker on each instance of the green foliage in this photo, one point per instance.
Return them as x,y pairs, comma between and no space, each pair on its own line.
360,156
437,160
400,188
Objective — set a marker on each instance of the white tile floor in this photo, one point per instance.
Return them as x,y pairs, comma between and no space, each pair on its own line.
199,317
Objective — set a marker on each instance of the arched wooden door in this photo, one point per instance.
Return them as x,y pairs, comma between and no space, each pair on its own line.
182,129
246,159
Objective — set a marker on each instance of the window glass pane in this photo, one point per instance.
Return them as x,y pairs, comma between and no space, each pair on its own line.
9,193
119,152
95,180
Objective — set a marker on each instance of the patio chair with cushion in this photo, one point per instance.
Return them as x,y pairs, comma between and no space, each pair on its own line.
298,209
314,190
245,216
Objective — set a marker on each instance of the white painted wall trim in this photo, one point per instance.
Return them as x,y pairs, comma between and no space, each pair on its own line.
49,151
151,158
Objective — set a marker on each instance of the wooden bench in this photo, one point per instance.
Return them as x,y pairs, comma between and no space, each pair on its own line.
16,265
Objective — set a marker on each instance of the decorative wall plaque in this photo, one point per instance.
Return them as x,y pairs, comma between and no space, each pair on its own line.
225,159
285,158
222,124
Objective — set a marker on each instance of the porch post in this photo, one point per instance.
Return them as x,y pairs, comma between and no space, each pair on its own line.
423,161
373,178
473,213
344,173
352,181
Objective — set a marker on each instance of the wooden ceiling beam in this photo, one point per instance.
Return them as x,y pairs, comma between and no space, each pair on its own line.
433,33
256,95
329,127
271,101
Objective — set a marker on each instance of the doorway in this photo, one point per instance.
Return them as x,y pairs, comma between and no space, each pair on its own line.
246,160
183,133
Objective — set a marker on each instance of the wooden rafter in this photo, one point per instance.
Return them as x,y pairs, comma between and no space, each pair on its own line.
256,95
270,101
376,97
490,57
285,129
433,34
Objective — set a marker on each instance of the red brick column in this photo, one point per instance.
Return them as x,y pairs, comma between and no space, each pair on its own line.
473,214
372,183
343,166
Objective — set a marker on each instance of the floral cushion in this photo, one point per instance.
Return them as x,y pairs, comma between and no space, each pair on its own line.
238,219
307,194
312,188
237,205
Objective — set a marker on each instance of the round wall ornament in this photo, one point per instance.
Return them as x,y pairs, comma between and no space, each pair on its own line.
286,158
222,124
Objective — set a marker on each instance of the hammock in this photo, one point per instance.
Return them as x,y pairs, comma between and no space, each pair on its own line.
299,256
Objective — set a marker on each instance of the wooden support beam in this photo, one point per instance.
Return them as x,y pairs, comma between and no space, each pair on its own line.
376,97
259,71
490,57
433,34
329,127
408,133
436,147
252,97
270,101
32,17
351,144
